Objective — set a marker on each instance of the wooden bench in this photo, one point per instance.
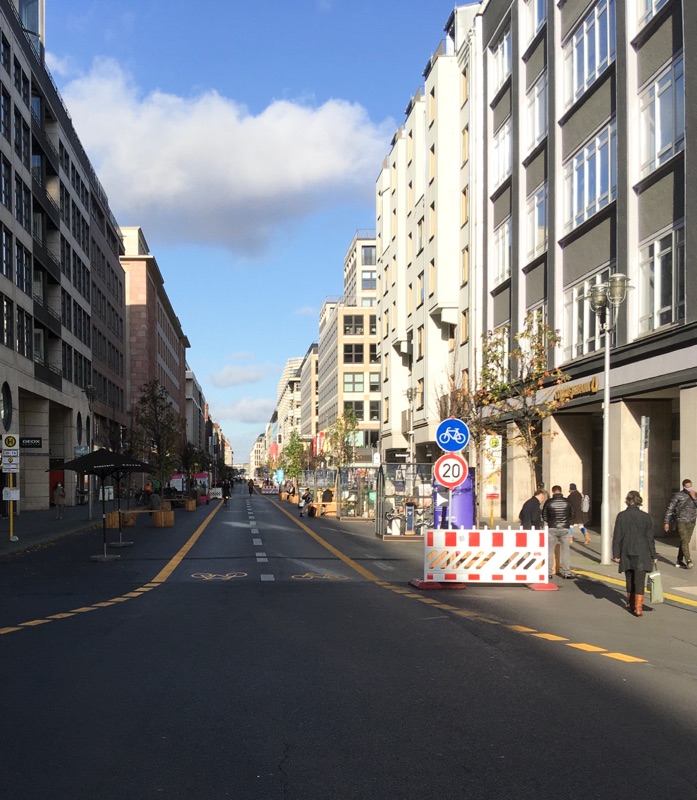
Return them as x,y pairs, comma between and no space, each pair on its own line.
328,509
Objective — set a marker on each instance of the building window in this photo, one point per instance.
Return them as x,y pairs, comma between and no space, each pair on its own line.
648,10
502,252
464,86
7,253
589,50
5,113
386,409
420,342
431,106
357,407
353,325
372,325
8,323
431,277
353,382
432,163
501,154
465,327
368,279
465,265
23,269
368,254
6,183
537,112
375,411
662,281
465,206
420,290
432,221
374,381
501,61
22,203
353,354
663,117
451,337
465,143
419,394
590,178
374,357
583,333
535,16
537,222
420,236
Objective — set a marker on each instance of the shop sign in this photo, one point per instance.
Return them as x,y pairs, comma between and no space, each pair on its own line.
567,393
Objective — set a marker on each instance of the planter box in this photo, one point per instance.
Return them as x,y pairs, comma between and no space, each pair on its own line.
189,505
112,520
166,505
162,519
128,519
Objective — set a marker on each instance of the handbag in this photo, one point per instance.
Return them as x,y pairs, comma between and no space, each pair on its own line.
655,587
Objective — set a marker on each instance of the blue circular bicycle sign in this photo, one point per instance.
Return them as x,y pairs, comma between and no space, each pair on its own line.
452,435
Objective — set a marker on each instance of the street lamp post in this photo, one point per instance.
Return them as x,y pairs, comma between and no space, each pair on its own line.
411,396
91,394
605,299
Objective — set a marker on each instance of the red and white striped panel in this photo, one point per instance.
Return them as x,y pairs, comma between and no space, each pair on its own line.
485,556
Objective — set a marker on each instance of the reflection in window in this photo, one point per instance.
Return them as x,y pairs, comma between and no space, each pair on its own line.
662,281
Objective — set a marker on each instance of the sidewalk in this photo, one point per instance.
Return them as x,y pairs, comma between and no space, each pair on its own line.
679,582
36,528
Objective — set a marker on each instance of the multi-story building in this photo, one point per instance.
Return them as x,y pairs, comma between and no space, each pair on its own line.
156,342
61,284
586,174
288,403
347,353
424,246
309,398
195,412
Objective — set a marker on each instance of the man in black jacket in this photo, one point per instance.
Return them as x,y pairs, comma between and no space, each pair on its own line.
682,510
558,512
531,512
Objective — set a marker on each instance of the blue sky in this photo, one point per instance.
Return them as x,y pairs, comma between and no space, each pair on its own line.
245,140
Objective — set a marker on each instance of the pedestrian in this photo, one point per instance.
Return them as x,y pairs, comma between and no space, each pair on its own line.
531,512
682,510
305,500
558,513
580,518
541,488
59,500
226,491
250,487
634,549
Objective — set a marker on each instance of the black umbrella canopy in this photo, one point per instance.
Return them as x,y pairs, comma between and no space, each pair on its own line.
104,463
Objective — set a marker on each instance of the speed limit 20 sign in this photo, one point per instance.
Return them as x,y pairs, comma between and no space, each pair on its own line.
450,470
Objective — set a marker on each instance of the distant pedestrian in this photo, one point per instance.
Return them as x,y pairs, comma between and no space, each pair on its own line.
634,549
558,513
305,501
531,512
580,518
225,486
59,500
250,487
682,510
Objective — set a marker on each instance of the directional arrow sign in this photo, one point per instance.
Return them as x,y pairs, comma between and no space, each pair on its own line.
450,470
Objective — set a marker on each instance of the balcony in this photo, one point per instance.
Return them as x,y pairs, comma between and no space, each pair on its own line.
45,143
44,199
47,374
46,258
47,317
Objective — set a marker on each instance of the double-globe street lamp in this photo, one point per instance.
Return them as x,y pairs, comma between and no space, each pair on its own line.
605,299
91,394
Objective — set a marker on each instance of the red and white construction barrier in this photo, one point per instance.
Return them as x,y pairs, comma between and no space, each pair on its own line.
485,556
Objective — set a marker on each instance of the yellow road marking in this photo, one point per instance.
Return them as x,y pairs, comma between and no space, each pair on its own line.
105,604
429,601
687,601
83,610
521,628
173,563
588,648
9,630
63,615
34,623
550,637
624,657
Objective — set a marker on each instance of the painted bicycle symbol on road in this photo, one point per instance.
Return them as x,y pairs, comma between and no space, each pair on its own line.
211,576
311,576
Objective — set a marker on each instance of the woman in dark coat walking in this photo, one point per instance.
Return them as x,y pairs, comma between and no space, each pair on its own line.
634,549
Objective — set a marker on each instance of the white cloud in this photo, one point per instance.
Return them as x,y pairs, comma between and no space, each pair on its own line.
306,311
204,169
247,410
240,375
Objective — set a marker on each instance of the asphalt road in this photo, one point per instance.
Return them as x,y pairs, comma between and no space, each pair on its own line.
263,656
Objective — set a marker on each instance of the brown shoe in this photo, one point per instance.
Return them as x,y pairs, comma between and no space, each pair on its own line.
639,605
630,602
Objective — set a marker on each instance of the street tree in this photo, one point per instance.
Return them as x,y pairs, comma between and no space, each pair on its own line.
341,439
520,385
292,456
159,429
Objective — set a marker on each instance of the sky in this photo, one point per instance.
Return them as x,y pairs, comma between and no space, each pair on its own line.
245,140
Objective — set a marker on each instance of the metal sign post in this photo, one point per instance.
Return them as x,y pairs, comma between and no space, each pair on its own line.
10,465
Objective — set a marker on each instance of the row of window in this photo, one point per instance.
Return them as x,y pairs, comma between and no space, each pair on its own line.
354,382
17,328
358,408
353,325
15,261
354,354
75,319
75,367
